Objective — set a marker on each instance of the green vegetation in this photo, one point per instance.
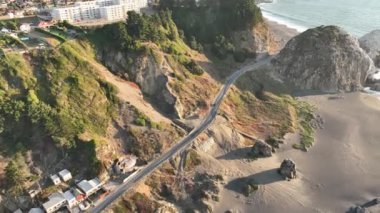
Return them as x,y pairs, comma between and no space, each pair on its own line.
9,24
147,35
305,114
213,22
192,160
212,18
58,99
60,37
17,174
9,41
221,47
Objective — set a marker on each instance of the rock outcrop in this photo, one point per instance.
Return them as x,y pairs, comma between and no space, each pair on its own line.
288,169
326,59
371,44
149,74
258,40
261,149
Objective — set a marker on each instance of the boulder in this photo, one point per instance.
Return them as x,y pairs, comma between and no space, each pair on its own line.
371,44
325,59
261,149
358,209
288,169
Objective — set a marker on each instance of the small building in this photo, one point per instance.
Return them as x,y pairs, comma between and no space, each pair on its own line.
126,164
25,28
70,199
34,190
55,179
5,30
56,201
90,187
18,211
36,210
32,193
65,175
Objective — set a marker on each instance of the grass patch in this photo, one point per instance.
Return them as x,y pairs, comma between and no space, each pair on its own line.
305,116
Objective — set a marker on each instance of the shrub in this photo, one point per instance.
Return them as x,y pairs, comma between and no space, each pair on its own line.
194,68
140,122
221,47
60,38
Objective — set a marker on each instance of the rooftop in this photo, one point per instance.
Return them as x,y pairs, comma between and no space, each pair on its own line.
87,186
64,173
68,195
36,210
54,199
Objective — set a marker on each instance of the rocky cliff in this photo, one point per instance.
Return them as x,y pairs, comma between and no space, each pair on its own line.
149,74
256,40
325,58
371,44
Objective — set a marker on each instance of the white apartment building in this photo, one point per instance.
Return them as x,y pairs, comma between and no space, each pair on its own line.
109,10
113,12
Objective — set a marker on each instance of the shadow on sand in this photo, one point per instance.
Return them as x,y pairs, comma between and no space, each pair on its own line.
261,178
239,153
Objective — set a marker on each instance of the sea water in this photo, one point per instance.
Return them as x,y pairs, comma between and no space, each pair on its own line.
357,17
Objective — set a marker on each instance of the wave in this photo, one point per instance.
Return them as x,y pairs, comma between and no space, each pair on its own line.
285,20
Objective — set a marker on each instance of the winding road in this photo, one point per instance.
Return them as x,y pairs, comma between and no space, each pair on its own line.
183,143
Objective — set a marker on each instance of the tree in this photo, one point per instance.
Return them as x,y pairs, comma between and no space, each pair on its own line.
195,45
16,174
167,4
221,47
239,14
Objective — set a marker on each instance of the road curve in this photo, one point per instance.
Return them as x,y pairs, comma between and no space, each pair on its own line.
183,143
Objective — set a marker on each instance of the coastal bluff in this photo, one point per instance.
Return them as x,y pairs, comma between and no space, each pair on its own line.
326,59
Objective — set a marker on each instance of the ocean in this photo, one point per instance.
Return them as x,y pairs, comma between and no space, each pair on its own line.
357,17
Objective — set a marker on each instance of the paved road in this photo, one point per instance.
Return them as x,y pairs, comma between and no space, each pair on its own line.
182,144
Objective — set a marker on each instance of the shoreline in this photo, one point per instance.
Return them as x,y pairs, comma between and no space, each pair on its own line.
281,33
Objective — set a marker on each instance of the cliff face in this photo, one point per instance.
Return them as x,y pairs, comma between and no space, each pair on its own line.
324,58
371,44
256,40
149,74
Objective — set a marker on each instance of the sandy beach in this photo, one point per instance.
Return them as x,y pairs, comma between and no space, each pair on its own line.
340,171
281,33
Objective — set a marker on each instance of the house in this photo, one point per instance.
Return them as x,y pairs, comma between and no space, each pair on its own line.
90,187
55,179
125,165
18,211
5,30
36,210
65,175
25,28
56,201
70,199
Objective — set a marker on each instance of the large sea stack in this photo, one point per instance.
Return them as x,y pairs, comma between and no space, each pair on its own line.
326,59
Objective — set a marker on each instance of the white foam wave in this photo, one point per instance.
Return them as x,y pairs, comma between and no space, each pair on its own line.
272,17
